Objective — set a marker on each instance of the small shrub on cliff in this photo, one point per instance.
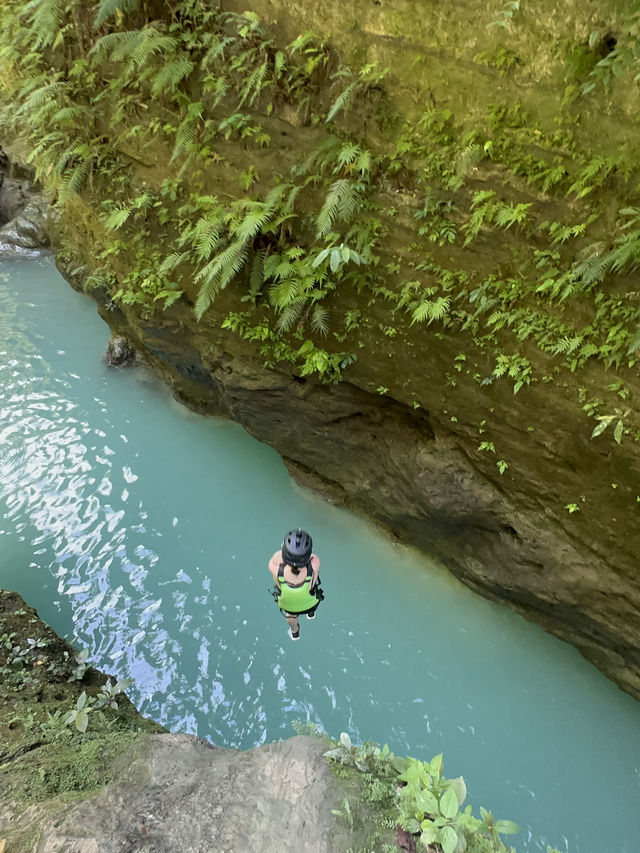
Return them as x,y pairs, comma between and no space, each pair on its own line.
428,804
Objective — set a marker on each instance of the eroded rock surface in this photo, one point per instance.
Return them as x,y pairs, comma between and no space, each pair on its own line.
23,217
182,794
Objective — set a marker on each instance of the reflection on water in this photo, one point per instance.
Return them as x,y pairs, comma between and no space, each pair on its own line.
143,531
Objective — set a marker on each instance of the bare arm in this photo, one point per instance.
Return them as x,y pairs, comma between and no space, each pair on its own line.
274,565
315,568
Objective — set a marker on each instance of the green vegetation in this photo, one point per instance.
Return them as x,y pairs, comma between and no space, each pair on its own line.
201,162
62,726
415,795
412,794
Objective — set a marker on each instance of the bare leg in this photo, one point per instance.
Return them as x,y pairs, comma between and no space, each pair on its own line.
292,621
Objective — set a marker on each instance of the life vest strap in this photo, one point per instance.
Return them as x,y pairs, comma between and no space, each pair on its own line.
308,576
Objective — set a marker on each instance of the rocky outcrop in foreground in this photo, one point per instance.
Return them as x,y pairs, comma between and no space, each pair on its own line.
182,794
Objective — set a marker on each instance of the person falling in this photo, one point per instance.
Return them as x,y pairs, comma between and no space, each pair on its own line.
295,571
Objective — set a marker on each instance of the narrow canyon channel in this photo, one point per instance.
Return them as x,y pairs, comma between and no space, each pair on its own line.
142,532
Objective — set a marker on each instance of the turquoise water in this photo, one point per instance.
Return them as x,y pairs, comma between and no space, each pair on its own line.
142,532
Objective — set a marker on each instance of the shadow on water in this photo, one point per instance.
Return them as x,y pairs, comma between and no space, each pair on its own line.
142,531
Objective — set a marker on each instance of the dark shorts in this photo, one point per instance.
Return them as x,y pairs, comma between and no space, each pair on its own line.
302,612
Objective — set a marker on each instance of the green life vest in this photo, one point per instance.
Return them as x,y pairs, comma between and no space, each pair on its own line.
296,599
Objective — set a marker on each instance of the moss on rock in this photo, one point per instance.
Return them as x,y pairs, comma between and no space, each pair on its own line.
42,757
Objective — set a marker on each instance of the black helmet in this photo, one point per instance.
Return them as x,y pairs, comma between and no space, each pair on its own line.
296,548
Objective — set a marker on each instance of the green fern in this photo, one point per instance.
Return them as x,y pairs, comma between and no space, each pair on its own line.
41,103
134,48
71,115
216,51
320,320
468,159
171,75
187,131
253,85
110,8
117,218
218,273
343,101
172,261
626,255
46,18
509,214
256,216
431,310
256,275
290,316
207,238
343,200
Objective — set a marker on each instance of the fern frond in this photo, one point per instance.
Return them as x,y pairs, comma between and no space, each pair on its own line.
45,145
431,310
110,8
285,292
509,214
46,20
320,320
187,130
256,276
626,256
207,241
73,181
347,154
151,43
592,270
468,159
634,344
291,200
343,100
134,47
251,89
276,195
171,75
44,96
290,316
342,201
69,115
221,269
216,51
258,214
172,261
117,218
237,256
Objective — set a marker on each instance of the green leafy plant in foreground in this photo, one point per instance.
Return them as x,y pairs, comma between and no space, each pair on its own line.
428,804
106,698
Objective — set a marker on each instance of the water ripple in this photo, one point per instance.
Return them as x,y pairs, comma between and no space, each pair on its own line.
147,528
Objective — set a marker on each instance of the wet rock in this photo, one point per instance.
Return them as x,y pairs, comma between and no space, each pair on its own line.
26,229
119,352
14,196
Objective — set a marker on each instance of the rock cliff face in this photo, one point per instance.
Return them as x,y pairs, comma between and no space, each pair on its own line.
424,433
121,787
